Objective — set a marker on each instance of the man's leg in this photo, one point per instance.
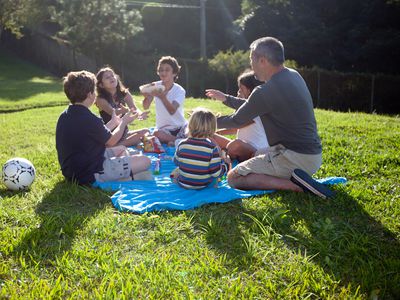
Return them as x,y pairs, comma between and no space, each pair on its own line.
254,181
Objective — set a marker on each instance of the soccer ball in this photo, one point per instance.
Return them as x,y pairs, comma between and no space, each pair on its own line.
18,174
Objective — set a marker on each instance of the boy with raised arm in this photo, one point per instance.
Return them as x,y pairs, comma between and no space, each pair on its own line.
82,137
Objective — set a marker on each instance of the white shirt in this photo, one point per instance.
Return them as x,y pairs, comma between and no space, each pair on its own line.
163,117
254,134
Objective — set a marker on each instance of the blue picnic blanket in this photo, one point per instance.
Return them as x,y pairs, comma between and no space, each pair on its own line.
162,194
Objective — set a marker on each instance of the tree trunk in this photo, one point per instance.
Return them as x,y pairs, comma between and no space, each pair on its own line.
1,31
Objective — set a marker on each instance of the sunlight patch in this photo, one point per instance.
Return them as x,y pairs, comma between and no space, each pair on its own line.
42,80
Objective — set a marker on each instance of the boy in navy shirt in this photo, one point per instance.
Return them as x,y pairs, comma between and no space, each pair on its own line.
85,144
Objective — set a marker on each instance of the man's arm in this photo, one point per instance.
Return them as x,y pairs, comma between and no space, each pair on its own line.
234,102
255,106
230,101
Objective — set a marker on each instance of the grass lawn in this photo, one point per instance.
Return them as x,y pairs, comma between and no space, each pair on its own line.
59,240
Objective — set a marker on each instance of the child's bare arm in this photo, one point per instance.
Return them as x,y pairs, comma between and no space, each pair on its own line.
131,103
147,101
227,131
172,106
103,105
142,115
119,130
114,122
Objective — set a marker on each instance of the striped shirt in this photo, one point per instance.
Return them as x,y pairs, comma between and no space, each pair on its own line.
199,163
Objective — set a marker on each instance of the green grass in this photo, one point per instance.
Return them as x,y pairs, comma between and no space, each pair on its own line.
59,240
24,86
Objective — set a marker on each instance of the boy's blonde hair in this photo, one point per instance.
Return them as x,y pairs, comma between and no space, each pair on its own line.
77,85
202,123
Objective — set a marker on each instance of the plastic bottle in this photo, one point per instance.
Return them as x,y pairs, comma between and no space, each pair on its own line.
157,167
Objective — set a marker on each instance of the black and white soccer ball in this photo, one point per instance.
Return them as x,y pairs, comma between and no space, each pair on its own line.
18,174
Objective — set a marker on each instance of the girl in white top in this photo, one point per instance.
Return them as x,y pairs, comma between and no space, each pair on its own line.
170,120
250,138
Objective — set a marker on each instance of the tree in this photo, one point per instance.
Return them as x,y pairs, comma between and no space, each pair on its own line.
174,27
230,64
16,14
358,35
96,27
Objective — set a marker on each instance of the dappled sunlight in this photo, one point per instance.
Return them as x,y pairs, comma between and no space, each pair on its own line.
47,79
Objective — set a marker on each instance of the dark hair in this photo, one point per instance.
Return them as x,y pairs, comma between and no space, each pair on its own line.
77,85
248,79
269,47
172,62
103,93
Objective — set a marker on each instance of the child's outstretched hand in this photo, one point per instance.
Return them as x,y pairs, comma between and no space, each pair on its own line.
216,94
122,110
143,115
115,119
129,117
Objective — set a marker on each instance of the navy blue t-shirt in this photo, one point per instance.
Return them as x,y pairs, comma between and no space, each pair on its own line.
80,142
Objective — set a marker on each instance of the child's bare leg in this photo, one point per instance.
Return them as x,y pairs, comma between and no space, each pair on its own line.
134,137
139,163
221,140
240,150
164,137
119,150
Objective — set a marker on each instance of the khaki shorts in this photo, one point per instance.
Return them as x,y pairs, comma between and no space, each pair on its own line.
114,168
279,162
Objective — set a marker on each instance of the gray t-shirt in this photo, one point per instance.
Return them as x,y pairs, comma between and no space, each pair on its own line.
285,107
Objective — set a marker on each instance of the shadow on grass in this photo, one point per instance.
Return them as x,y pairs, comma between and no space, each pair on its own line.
338,234
20,79
63,211
21,89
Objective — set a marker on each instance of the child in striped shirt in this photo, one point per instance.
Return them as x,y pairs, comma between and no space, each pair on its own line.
198,157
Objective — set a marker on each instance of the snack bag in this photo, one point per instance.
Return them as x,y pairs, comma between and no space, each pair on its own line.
152,144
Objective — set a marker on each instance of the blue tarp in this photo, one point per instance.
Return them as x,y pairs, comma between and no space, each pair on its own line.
162,194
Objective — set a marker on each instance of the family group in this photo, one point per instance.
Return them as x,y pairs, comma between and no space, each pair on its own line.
277,143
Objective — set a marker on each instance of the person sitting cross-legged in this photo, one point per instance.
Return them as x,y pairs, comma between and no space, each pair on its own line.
284,105
85,146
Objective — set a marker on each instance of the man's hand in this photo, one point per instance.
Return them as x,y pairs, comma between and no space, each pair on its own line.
216,94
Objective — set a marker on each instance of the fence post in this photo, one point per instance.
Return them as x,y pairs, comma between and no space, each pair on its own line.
372,93
318,87
186,76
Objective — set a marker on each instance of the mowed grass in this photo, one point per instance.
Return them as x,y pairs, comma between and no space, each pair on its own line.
24,86
59,240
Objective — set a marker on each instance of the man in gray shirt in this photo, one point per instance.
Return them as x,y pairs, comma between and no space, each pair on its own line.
285,107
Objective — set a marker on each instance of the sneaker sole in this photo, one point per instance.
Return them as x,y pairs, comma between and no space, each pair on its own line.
308,186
